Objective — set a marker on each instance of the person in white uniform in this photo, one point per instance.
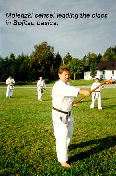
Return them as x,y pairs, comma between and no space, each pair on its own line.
40,87
96,94
10,86
62,98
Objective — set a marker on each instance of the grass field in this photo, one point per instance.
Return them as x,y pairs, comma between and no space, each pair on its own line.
28,144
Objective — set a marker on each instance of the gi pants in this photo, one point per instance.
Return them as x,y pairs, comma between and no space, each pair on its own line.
63,134
40,91
9,91
96,95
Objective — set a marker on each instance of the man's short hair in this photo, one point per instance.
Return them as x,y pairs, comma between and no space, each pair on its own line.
63,69
97,79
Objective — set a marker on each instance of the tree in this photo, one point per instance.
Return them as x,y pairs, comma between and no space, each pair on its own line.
1,68
110,54
66,60
22,68
93,69
12,64
55,65
99,57
85,62
41,60
76,68
6,68
90,59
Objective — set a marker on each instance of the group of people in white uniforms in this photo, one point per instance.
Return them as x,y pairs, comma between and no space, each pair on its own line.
10,86
62,100
40,86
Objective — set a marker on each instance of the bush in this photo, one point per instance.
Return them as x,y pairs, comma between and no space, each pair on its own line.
46,81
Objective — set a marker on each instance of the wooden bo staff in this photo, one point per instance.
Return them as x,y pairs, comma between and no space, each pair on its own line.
77,101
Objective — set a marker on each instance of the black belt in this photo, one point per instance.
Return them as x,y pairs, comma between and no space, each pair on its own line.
68,113
97,91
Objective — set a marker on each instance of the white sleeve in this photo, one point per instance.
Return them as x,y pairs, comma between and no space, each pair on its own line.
38,83
92,86
7,81
65,90
44,84
13,81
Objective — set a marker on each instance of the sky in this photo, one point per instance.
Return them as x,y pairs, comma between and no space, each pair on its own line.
78,26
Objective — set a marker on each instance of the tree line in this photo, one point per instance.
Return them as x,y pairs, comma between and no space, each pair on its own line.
43,61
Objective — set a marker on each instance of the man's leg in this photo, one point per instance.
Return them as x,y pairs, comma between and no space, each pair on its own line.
39,95
7,92
99,101
10,93
93,100
70,130
61,133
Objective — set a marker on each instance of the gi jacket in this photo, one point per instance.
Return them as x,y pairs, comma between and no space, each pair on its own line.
10,83
94,85
40,84
63,95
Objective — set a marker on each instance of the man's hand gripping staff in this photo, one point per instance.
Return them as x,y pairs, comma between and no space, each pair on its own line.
87,93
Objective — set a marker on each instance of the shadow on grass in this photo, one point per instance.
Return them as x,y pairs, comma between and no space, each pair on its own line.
84,101
102,144
106,98
109,106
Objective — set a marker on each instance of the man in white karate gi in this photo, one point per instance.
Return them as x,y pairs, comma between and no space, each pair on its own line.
40,87
10,86
96,94
62,98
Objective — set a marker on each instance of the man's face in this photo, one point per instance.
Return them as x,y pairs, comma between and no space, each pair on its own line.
64,76
96,80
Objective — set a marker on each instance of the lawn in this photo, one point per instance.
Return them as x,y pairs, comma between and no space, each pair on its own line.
28,144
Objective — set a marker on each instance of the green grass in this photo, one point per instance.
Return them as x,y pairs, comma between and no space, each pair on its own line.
28,144
79,82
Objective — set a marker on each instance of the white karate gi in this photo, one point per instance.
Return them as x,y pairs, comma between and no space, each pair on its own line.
62,98
96,95
10,86
40,86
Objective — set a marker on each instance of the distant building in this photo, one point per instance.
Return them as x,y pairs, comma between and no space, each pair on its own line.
106,70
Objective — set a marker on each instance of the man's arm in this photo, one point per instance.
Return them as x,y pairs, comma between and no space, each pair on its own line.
84,92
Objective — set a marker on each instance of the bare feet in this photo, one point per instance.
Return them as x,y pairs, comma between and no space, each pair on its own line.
65,164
